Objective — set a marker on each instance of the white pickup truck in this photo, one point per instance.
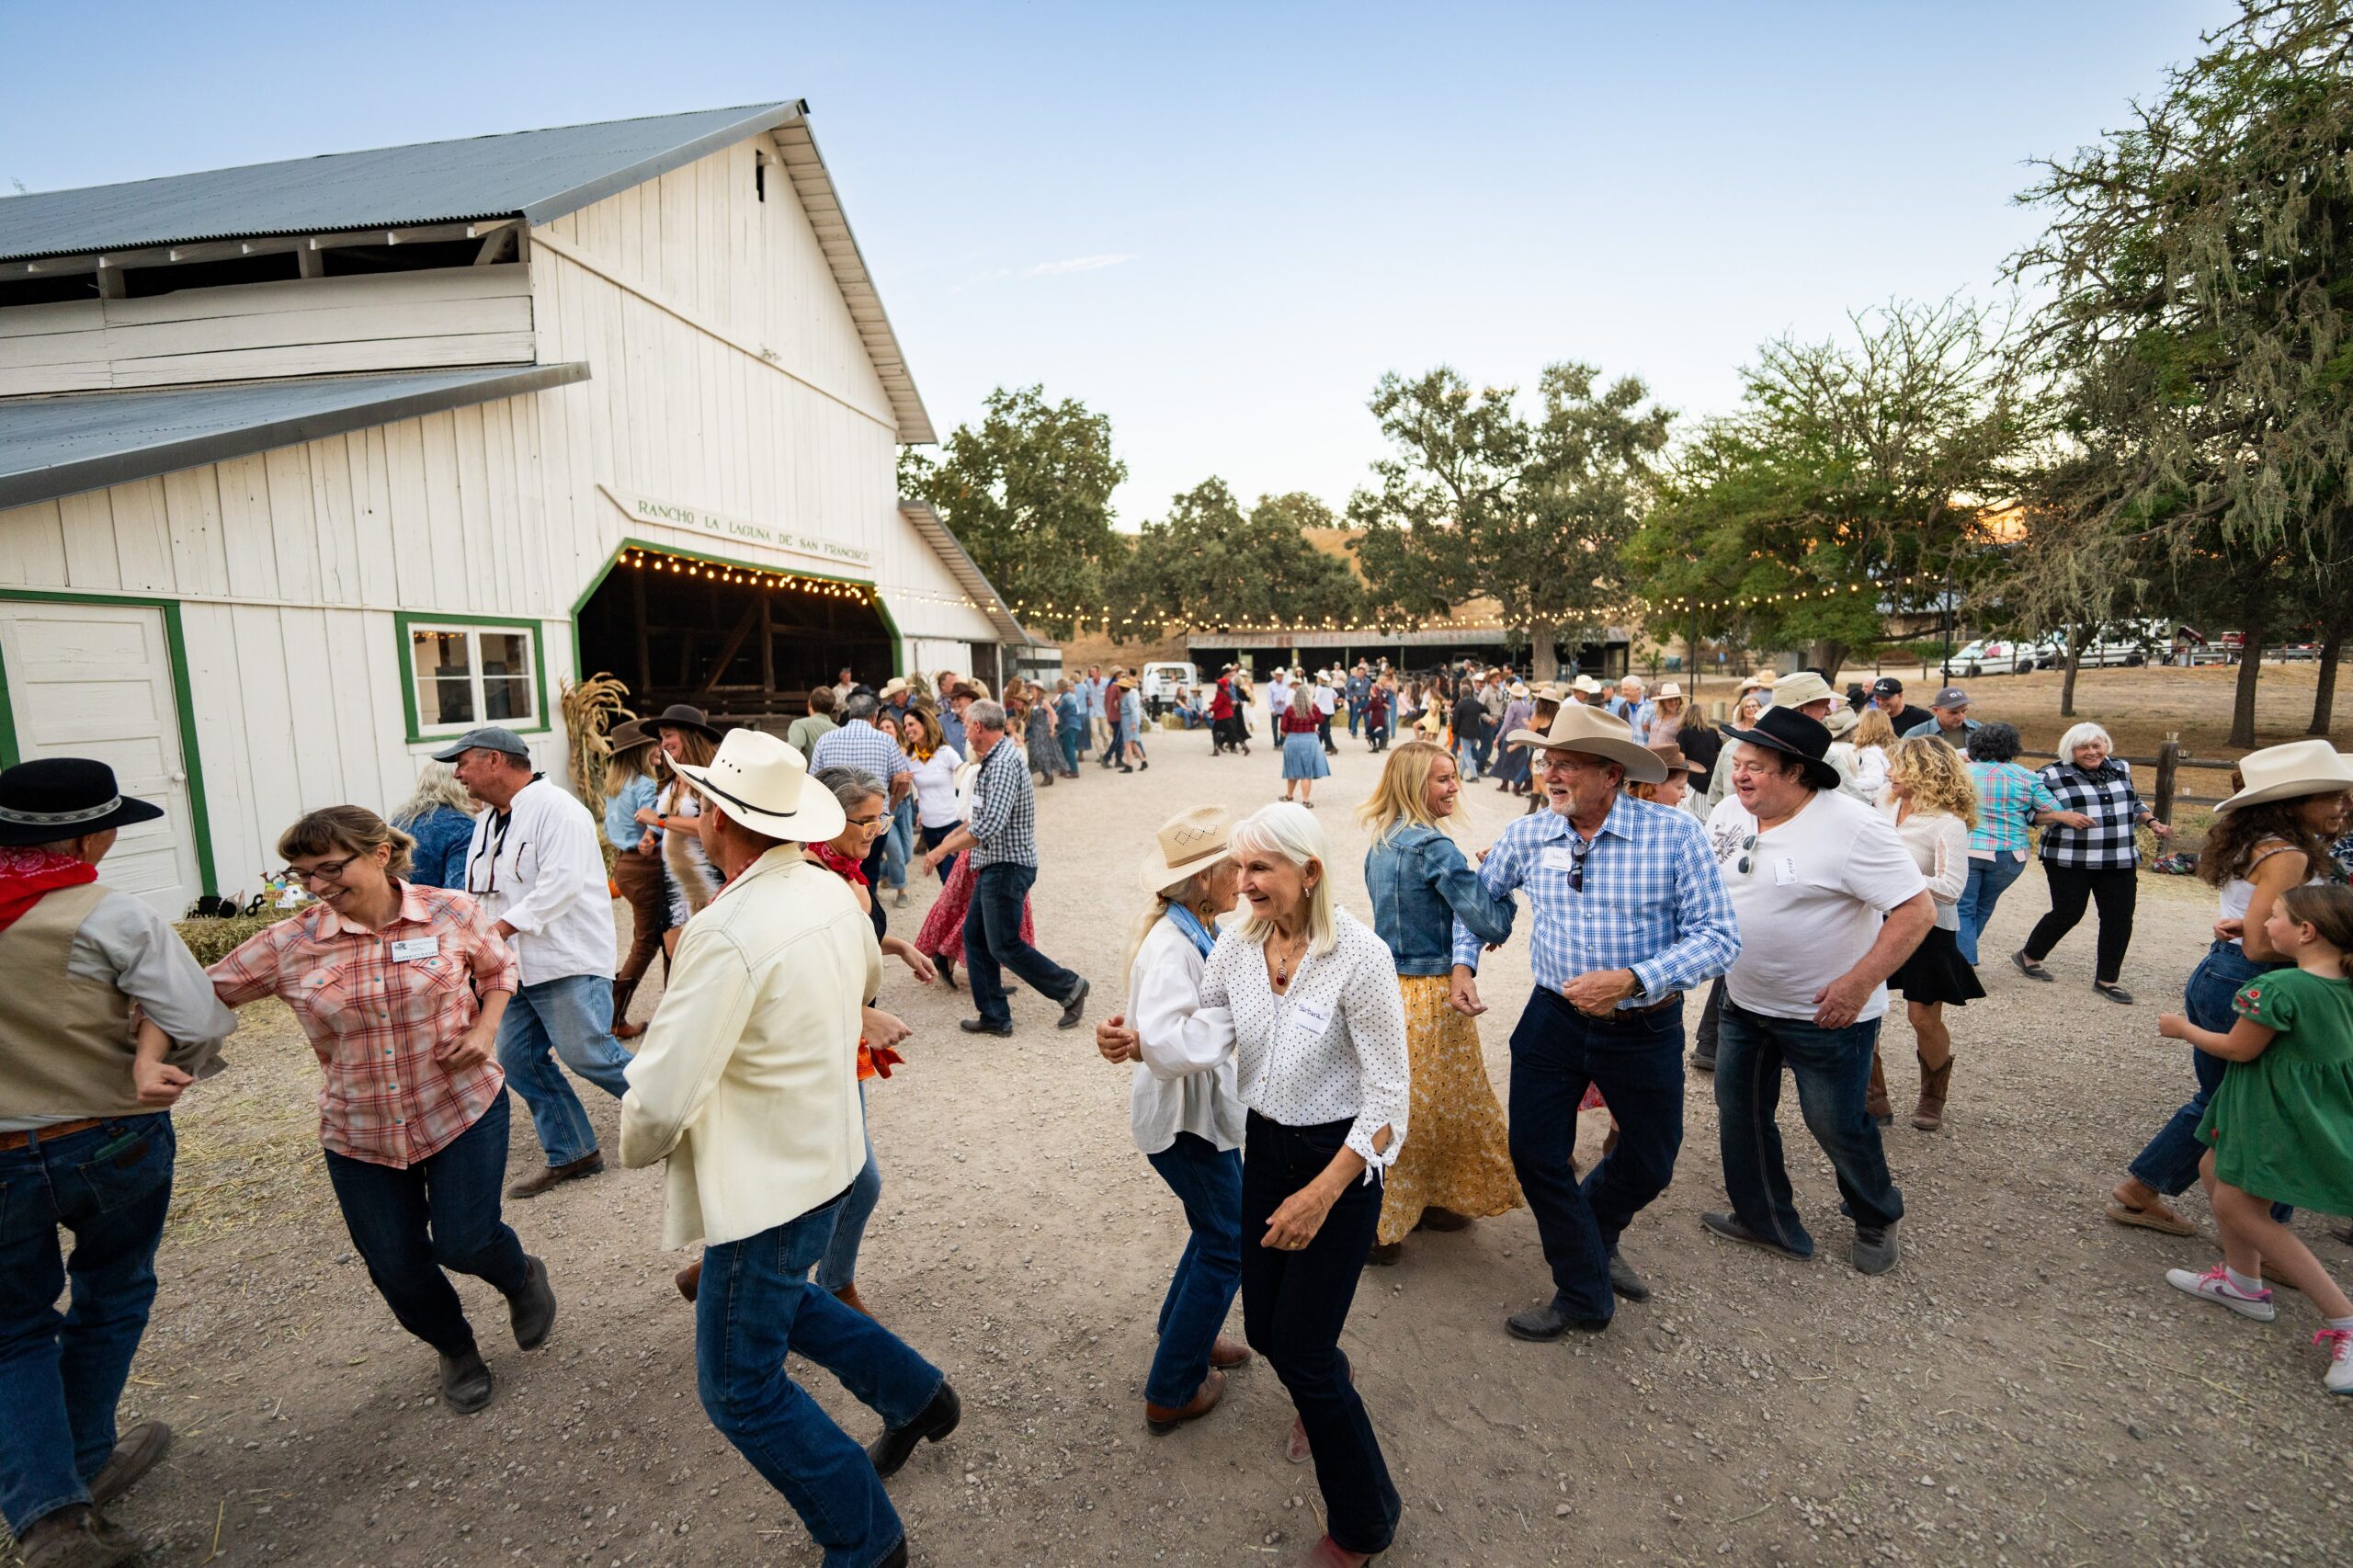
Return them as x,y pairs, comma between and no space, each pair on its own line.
1164,683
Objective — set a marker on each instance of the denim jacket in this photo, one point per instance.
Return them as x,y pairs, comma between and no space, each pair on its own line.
1420,884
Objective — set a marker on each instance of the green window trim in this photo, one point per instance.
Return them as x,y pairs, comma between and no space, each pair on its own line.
404,621
199,817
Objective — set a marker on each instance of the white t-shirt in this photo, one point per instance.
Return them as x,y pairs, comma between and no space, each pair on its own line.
1816,891
1327,701
935,803
1278,697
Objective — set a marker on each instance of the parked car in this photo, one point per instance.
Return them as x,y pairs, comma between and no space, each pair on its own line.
1996,656
1164,681
2111,646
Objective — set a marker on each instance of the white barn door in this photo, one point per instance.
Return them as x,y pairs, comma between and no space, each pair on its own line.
96,681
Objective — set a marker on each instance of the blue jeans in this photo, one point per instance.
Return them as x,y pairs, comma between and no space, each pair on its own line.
1833,1069
1557,1054
62,1373
756,1306
1294,1305
839,1266
2169,1163
441,1212
993,943
1208,1181
899,843
573,1016
1070,738
1988,880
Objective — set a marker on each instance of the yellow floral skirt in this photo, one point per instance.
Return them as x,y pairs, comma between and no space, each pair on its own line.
1457,1153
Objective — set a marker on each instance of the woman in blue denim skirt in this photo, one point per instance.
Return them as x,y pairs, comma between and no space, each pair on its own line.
2270,837
1186,1120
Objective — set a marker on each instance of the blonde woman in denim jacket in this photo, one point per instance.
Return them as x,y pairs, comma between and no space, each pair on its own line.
1458,1165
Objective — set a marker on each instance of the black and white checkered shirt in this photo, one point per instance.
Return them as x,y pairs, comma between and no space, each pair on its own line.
2108,799
1004,823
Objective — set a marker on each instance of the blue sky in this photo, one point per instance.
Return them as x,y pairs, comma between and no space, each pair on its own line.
1219,224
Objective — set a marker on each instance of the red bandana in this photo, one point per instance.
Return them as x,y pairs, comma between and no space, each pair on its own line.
25,875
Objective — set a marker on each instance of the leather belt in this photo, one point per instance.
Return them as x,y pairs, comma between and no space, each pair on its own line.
11,1141
1672,999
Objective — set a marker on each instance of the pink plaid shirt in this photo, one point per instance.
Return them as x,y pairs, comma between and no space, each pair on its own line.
374,1020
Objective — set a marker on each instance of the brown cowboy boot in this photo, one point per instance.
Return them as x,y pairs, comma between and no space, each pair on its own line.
1875,1099
1929,1114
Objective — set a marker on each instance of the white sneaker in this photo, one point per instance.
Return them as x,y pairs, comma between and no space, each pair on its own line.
2338,1341
2214,1285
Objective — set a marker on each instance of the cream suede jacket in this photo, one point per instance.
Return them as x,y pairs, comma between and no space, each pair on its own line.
747,1081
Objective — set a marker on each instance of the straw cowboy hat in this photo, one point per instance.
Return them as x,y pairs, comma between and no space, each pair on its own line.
761,782
1841,722
1188,842
1519,688
1586,686
892,687
1787,731
56,798
681,716
1594,733
1669,692
2285,772
1796,691
1751,682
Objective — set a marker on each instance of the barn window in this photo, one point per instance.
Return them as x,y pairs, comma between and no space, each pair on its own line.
461,674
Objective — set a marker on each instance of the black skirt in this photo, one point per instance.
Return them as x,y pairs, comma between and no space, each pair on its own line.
1937,972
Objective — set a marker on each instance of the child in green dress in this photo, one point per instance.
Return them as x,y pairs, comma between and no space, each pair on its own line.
2280,1127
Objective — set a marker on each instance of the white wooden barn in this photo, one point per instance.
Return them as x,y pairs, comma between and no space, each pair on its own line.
307,466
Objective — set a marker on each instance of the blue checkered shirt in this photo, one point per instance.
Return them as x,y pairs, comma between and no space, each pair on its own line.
1004,823
860,744
1653,901
2007,798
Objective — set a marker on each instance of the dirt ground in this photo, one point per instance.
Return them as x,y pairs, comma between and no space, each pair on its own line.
2023,1389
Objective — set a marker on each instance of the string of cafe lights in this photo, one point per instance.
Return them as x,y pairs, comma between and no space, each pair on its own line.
666,564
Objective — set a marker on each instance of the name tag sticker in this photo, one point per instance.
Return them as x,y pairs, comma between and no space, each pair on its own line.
1785,871
1310,1019
409,949
1558,858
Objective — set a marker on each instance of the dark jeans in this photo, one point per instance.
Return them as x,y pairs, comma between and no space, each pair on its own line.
756,1307
933,837
2169,1163
2071,889
1833,1069
993,943
441,1212
60,1373
1704,1041
1070,738
1293,1307
1115,754
1557,1054
1208,1180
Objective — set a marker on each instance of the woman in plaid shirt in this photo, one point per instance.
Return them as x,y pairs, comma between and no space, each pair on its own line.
399,989
2096,863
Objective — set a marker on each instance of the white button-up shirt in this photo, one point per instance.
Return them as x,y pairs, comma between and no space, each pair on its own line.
541,870
1171,1095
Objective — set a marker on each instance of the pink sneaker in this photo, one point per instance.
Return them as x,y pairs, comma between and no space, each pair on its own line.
2340,1343
2214,1285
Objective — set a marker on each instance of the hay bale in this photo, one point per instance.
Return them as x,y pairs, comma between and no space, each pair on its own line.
212,940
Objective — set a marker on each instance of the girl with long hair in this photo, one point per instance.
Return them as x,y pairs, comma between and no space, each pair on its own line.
1458,1168
1934,807
638,870
694,881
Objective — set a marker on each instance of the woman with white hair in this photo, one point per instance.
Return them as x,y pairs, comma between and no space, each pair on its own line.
1188,1124
2099,863
1307,998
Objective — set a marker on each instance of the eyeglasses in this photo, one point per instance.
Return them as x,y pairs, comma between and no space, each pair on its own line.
324,871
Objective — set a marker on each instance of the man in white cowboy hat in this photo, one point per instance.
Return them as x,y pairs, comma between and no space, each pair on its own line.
1830,902
537,867
1806,692
87,1146
1630,913
747,1087
1589,691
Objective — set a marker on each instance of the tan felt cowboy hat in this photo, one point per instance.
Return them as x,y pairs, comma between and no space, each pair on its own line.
1594,732
1188,842
2289,772
1753,682
892,687
1587,686
1796,691
761,782
1670,692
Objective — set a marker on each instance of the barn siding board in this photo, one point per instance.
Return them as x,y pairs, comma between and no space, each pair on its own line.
244,529
410,517
142,538
446,516
91,565
363,457
192,512
220,701
32,547
293,527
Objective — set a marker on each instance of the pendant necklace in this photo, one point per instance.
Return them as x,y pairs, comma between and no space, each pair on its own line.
1282,970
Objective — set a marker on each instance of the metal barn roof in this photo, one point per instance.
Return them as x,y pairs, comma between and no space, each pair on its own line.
61,446
531,175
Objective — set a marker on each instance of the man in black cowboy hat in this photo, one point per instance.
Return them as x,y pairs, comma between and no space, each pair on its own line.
1829,903
86,1144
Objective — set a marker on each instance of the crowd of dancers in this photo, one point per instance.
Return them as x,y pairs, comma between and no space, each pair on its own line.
1308,1081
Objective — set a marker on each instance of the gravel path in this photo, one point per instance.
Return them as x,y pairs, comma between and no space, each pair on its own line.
2023,1389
